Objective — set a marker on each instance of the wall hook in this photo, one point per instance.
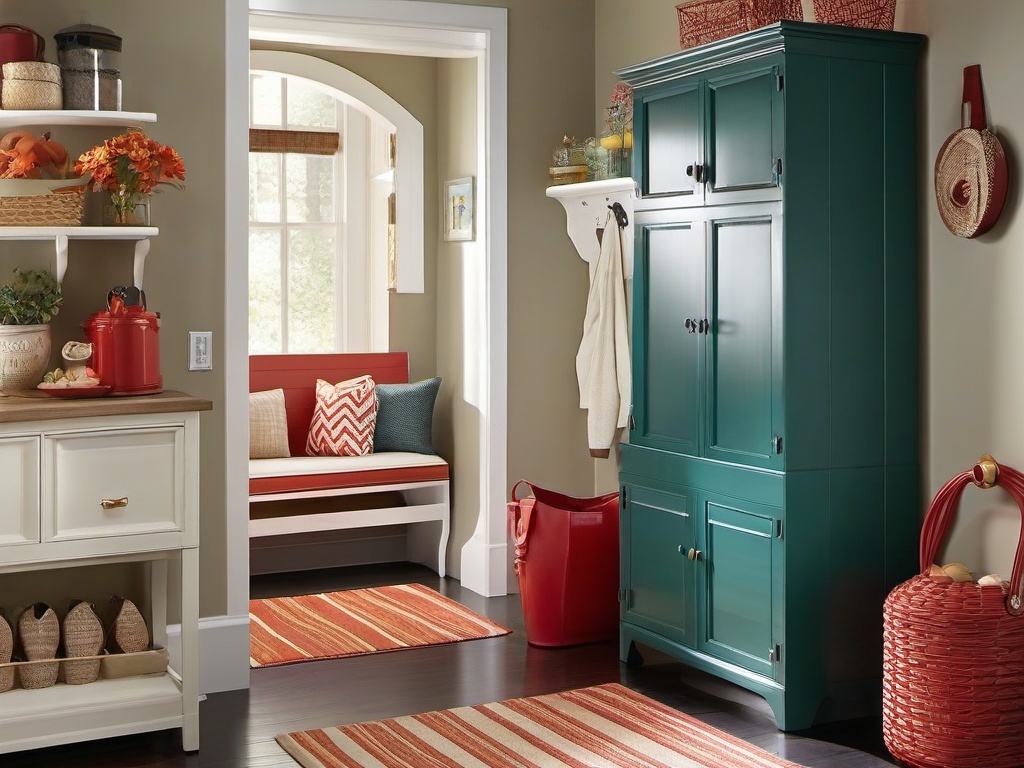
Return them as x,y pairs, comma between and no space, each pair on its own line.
620,215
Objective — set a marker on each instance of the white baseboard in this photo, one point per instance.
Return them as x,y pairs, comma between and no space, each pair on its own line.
223,652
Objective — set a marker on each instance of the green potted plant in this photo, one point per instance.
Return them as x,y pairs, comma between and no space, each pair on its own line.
27,304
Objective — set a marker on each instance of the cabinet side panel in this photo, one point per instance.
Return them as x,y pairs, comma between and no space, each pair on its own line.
807,582
902,311
857,216
806,265
856,572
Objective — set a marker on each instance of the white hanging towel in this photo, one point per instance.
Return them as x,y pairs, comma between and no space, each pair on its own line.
602,363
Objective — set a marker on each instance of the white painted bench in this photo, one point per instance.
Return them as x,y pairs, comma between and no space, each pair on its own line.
421,481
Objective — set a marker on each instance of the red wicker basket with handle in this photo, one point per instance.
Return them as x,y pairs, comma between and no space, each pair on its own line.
953,660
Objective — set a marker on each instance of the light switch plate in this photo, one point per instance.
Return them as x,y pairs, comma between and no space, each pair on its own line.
200,350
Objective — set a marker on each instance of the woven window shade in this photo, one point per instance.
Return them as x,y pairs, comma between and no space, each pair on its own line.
302,142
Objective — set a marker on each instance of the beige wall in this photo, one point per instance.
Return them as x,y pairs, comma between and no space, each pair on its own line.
551,64
972,289
974,309
172,64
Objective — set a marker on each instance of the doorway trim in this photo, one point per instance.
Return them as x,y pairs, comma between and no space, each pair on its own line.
397,26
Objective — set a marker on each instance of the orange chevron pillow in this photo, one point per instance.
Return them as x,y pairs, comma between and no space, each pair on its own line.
344,418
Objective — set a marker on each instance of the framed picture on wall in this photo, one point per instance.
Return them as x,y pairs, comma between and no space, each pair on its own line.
459,210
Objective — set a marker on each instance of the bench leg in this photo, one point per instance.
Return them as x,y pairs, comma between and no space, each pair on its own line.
442,549
428,541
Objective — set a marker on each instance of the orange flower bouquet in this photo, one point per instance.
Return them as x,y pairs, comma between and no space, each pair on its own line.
129,167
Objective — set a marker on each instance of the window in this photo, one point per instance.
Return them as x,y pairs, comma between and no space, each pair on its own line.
296,215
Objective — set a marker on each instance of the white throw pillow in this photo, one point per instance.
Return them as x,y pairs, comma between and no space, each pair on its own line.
268,425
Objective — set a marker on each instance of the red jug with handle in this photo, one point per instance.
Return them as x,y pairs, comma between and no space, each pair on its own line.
18,43
126,348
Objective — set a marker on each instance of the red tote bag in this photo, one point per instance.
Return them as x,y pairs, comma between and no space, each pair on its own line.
567,561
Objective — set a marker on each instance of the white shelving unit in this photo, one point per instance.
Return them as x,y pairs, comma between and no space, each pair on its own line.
64,462
17,118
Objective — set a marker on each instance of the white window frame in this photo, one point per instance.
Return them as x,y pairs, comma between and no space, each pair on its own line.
349,333
360,94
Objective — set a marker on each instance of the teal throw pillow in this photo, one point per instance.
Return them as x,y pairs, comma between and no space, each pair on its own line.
405,415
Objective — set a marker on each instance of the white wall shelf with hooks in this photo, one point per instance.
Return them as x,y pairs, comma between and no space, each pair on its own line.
586,208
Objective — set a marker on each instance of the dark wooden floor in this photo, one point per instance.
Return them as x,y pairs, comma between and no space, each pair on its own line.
238,727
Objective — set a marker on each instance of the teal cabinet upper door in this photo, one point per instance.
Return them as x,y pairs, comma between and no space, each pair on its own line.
744,134
671,125
657,536
739,575
743,355
668,306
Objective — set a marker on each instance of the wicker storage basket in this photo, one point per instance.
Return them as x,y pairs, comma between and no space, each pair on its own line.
872,14
31,85
704,21
39,634
61,206
953,659
6,649
129,633
82,634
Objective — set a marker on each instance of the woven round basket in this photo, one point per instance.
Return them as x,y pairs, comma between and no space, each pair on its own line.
31,85
39,634
129,633
82,633
953,654
62,208
6,649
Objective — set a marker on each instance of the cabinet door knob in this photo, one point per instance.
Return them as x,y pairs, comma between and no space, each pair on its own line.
694,554
703,326
114,503
689,170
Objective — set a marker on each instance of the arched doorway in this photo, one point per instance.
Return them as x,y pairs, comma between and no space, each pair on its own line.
424,28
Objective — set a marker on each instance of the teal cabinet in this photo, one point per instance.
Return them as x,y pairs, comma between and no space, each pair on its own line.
714,139
775,360
707,332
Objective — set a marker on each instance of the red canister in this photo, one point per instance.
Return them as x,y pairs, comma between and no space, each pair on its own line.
126,348
18,43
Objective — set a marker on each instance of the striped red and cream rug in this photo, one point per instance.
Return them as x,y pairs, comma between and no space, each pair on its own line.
604,726
285,630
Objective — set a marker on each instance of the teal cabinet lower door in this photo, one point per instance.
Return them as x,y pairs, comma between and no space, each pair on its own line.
657,574
740,554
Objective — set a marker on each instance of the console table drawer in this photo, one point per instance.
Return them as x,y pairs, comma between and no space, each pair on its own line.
113,483
19,478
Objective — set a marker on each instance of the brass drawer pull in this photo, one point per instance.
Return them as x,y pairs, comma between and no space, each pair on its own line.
114,503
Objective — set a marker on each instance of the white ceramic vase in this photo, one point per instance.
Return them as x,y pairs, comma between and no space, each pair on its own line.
24,355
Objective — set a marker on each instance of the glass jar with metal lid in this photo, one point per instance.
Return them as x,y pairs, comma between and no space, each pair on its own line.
89,57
